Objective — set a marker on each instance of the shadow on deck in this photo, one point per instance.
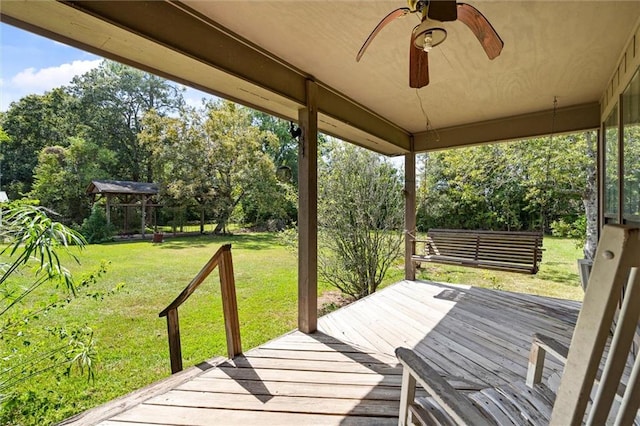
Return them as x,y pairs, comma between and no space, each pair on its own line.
346,373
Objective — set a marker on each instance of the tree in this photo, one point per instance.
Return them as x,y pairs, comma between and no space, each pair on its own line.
214,157
472,188
555,183
590,197
63,174
507,186
360,219
180,162
112,101
30,124
239,164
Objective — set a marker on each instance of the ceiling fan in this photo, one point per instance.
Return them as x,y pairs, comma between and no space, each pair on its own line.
429,33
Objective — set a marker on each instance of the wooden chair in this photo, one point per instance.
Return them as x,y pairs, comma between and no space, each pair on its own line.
587,392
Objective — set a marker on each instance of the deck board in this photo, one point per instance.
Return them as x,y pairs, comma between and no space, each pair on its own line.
347,373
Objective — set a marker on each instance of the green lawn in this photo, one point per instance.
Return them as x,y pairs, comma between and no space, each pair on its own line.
132,339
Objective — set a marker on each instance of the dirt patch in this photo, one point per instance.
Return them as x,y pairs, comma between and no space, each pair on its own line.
332,300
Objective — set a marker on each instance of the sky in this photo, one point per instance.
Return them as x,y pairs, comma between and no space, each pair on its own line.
31,64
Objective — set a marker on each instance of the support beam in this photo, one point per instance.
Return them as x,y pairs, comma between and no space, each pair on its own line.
108,209
568,120
308,213
409,214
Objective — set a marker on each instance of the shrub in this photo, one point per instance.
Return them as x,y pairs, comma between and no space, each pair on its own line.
95,228
564,228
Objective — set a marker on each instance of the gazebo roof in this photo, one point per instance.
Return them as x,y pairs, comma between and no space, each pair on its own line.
121,187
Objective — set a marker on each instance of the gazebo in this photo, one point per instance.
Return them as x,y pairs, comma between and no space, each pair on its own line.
125,194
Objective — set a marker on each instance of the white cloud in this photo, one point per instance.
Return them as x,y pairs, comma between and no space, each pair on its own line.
39,81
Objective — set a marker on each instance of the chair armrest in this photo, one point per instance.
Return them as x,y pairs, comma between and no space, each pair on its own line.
552,347
541,346
461,409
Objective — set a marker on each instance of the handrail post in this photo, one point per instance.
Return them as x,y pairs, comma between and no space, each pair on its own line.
230,304
223,260
175,351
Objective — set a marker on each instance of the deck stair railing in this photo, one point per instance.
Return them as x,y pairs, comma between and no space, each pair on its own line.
222,259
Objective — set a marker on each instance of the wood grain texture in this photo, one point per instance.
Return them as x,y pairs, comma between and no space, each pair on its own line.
308,212
347,373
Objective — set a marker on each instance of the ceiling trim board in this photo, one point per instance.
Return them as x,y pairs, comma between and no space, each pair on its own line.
567,120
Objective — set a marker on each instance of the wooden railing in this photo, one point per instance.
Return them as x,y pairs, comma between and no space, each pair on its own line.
223,259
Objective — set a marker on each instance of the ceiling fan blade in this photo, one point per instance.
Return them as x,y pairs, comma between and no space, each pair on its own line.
418,66
442,10
390,17
478,24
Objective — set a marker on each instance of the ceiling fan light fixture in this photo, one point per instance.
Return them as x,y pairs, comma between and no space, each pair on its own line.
426,36
428,42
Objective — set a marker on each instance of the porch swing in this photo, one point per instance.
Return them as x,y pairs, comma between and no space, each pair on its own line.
512,251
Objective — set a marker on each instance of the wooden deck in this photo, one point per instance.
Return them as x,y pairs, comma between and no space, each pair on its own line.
346,373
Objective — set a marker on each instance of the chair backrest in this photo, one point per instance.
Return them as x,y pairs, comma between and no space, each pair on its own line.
614,275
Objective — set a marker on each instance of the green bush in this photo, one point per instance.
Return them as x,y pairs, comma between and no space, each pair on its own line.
29,408
95,228
576,229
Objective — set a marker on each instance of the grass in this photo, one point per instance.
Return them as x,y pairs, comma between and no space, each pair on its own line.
132,339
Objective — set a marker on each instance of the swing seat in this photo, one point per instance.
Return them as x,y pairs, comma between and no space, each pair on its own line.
507,251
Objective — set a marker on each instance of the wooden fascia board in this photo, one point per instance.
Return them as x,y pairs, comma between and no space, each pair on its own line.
567,120
187,32
347,111
183,30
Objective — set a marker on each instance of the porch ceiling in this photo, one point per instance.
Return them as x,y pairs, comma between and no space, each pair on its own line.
260,53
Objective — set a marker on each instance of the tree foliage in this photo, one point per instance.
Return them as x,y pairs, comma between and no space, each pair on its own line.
95,228
31,124
116,122
215,157
360,219
112,101
63,174
510,186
